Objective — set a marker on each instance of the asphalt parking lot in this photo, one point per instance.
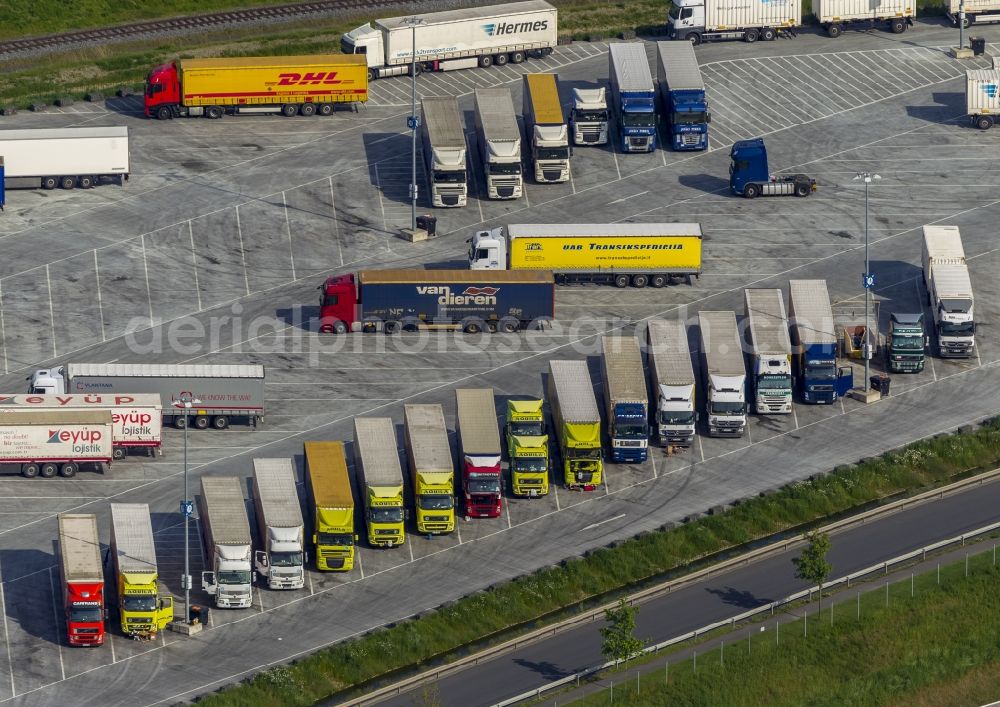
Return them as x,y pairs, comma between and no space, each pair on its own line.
231,225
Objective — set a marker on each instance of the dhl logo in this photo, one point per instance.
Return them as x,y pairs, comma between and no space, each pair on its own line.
325,78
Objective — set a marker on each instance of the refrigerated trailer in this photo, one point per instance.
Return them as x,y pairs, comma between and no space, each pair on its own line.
700,20
834,15
47,158
445,152
44,443
455,39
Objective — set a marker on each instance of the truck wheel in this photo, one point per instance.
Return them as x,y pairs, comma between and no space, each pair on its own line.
802,189
48,470
372,75
751,191
180,422
289,109
897,26
768,34
485,61
517,57
325,109
213,112
984,122
751,36
969,19
391,327
220,422
201,422
29,470
163,113
67,182
416,68
509,326
472,326
640,280
118,453
68,470
834,31
621,281
86,182
501,59
49,182
658,280
339,328
694,38
307,109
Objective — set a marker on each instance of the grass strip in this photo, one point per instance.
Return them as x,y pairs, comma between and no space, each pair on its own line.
920,650
527,602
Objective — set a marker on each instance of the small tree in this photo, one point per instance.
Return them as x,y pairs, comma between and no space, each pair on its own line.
620,643
812,564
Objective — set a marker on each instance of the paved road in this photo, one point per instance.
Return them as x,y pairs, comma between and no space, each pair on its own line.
716,598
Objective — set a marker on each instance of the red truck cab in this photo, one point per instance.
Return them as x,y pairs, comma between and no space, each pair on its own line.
338,304
85,613
482,489
163,92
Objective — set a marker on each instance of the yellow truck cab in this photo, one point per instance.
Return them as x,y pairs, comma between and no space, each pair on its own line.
331,505
380,480
142,611
527,447
577,421
431,465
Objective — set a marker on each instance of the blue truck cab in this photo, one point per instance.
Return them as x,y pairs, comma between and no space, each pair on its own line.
633,97
683,101
750,177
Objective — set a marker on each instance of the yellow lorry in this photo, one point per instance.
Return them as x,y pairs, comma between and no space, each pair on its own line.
431,467
380,480
331,505
527,447
141,609
577,421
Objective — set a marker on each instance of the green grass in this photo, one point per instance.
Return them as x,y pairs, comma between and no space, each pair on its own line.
530,601
924,650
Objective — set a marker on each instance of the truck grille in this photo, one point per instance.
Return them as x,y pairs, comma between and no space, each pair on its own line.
437,518
88,631
551,175
387,531
505,186
640,141
589,134
728,423
628,443
433,527
691,138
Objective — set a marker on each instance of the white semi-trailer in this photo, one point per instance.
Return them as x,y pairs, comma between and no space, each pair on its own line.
445,151
672,376
228,545
46,442
64,157
700,20
279,519
949,291
499,143
834,15
725,374
770,351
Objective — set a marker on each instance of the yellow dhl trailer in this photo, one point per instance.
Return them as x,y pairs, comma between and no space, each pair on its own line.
639,254
290,85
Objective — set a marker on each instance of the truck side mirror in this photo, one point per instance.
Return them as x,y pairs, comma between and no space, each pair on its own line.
708,117
406,514
355,537
927,341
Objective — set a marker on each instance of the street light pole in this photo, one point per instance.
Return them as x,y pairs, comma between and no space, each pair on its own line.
414,121
186,402
961,24
867,281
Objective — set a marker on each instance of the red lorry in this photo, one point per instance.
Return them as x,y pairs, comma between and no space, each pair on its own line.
82,578
479,442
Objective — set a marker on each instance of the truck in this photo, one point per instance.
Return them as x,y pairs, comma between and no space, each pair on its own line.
142,609
626,402
137,420
545,128
683,104
749,176
814,344
633,97
81,576
431,471
527,447
834,15
982,97
444,151
601,253
949,291
228,546
281,562
725,374
49,442
479,445
578,424
330,505
380,480
588,119
499,141
905,343
770,351
455,39
700,20
408,300
976,11
671,376
46,158
212,87
221,393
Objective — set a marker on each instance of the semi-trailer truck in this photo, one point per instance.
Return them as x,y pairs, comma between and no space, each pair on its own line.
633,97
982,97
527,447
770,351
545,128
588,120
949,291
725,374
281,562
906,342
455,39
47,158
613,253
81,576
683,105
814,344
228,544
976,11
407,300
143,611
750,176
380,480
499,141
671,375
479,444
218,393
212,87
835,15
626,401
431,468
700,20
136,420
49,442
578,423
445,151
331,506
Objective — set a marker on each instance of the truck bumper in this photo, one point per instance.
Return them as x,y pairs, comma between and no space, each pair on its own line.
629,456
298,583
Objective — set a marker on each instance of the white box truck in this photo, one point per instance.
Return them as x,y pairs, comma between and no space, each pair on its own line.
833,15
222,392
699,20
64,157
456,39
499,143
445,151
725,374
982,97
671,375
228,546
770,351
545,128
49,442
949,291
279,519
976,12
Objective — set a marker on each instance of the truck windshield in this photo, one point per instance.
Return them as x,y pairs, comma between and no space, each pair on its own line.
88,614
346,45
294,559
962,329
449,177
386,515
631,430
483,486
689,117
435,502
727,408
823,372
511,168
233,577
679,417
552,153
673,14
639,120
140,603
773,382
590,116
529,464
527,429
910,343
573,453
